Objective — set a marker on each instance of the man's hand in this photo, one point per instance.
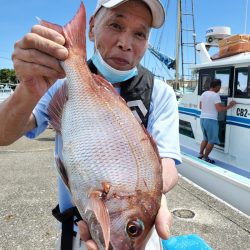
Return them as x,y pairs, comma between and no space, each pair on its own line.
36,63
85,235
163,221
36,59
232,104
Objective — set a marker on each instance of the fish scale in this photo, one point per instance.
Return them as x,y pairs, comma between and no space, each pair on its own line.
110,163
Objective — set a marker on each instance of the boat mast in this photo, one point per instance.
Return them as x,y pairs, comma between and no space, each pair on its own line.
177,53
185,45
245,29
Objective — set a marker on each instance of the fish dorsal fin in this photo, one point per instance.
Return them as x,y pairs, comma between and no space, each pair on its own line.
62,171
96,204
56,105
103,82
100,81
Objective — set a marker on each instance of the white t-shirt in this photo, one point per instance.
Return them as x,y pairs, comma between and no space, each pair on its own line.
208,100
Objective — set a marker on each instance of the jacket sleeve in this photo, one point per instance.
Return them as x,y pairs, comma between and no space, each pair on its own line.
163,121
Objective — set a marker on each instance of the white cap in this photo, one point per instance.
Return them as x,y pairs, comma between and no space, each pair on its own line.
157,10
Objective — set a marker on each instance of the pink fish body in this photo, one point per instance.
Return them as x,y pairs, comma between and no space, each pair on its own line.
110,163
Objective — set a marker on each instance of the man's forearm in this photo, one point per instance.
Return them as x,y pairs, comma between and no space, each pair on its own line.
15,116
169,174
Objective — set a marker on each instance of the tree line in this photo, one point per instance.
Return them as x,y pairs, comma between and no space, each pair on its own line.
8,76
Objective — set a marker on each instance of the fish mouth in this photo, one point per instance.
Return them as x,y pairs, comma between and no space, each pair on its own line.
110,247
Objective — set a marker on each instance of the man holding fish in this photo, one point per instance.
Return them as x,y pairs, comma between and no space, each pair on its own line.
89,116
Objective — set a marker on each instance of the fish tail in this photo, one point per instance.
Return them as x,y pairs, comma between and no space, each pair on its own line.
50,25
75,33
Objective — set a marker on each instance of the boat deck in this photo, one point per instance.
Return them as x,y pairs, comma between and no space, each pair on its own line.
225,181
218,163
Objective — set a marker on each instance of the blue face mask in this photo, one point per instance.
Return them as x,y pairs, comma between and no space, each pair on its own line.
110,74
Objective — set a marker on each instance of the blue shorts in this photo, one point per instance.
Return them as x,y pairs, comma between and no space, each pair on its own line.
210,130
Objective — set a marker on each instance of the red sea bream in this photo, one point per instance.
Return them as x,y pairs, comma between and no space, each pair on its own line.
110,163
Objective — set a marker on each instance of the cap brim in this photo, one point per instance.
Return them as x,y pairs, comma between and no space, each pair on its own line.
113,3
158,12
156,7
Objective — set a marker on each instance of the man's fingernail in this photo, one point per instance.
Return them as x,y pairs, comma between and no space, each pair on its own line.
63,53
60,39
167,229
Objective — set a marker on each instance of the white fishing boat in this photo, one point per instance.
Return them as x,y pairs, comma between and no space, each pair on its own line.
229,177
5,91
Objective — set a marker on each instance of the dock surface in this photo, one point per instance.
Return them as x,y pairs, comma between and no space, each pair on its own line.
28,192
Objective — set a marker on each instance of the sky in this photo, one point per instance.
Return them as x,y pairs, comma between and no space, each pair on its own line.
18,16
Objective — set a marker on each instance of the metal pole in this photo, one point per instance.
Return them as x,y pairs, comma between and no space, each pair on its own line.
246,16
177,77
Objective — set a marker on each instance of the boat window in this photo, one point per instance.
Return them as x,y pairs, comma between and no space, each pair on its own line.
241,86
185,128
205,82
224,76
205,77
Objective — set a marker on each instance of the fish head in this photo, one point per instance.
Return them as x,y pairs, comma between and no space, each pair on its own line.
132,218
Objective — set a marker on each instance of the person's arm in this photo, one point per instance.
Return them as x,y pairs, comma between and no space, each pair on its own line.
164,126
169,174
36,63
163,221
16,117
220,107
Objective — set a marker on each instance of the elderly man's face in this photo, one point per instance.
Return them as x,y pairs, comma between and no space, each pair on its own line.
121,34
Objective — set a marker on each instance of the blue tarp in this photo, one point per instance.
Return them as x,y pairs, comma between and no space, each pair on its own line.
185,242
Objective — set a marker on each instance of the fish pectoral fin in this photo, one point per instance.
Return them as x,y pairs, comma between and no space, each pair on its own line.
62,171
56,105
96,204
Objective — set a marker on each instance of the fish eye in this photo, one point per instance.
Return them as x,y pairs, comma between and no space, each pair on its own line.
135,228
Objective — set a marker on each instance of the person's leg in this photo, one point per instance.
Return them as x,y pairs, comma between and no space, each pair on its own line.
202,148
209,148
204,141
212,134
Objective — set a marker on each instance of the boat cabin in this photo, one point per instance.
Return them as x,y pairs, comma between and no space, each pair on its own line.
234,124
